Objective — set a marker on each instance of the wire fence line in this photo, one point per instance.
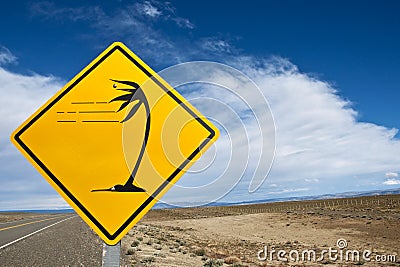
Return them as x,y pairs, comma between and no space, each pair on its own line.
342,206
383,202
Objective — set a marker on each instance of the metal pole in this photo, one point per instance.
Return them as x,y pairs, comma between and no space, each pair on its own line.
111,255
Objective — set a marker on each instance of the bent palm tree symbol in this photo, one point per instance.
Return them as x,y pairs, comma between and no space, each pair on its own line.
136,96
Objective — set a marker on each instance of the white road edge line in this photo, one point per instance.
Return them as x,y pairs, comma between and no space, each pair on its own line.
37,231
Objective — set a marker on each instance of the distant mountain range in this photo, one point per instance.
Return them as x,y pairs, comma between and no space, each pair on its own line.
161,205
395,191
42,211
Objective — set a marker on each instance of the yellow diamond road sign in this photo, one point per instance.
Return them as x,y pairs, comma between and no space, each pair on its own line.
114,140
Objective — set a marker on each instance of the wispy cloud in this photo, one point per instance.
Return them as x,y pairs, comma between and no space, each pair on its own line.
136,24
392,175
216,45
6,57
183,22
163,11
35,201
139,25
49,10
391,182
287,191
148,9
391,178
314,180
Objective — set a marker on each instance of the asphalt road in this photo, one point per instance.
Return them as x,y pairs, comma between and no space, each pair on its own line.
14,231
59,240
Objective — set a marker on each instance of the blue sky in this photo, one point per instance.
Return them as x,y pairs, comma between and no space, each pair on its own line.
336,59
351,44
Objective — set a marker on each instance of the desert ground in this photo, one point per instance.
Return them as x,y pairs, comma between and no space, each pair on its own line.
233,236
16,216
229,236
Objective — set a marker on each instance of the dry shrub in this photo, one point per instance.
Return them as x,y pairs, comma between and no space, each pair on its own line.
231,260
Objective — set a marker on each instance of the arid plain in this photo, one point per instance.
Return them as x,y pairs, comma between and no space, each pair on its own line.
231,236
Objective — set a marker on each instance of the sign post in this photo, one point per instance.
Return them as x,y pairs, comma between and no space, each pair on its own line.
113,140
111,255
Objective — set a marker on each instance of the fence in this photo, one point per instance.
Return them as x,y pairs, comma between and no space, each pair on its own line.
383,202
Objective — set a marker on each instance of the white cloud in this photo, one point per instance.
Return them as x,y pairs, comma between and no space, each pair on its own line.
313,180
163,11
391,178
317,132
183,22
391,182
21,186
216,45
287,191
6,57
38,202
22,95
148,9
318,135
392,175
